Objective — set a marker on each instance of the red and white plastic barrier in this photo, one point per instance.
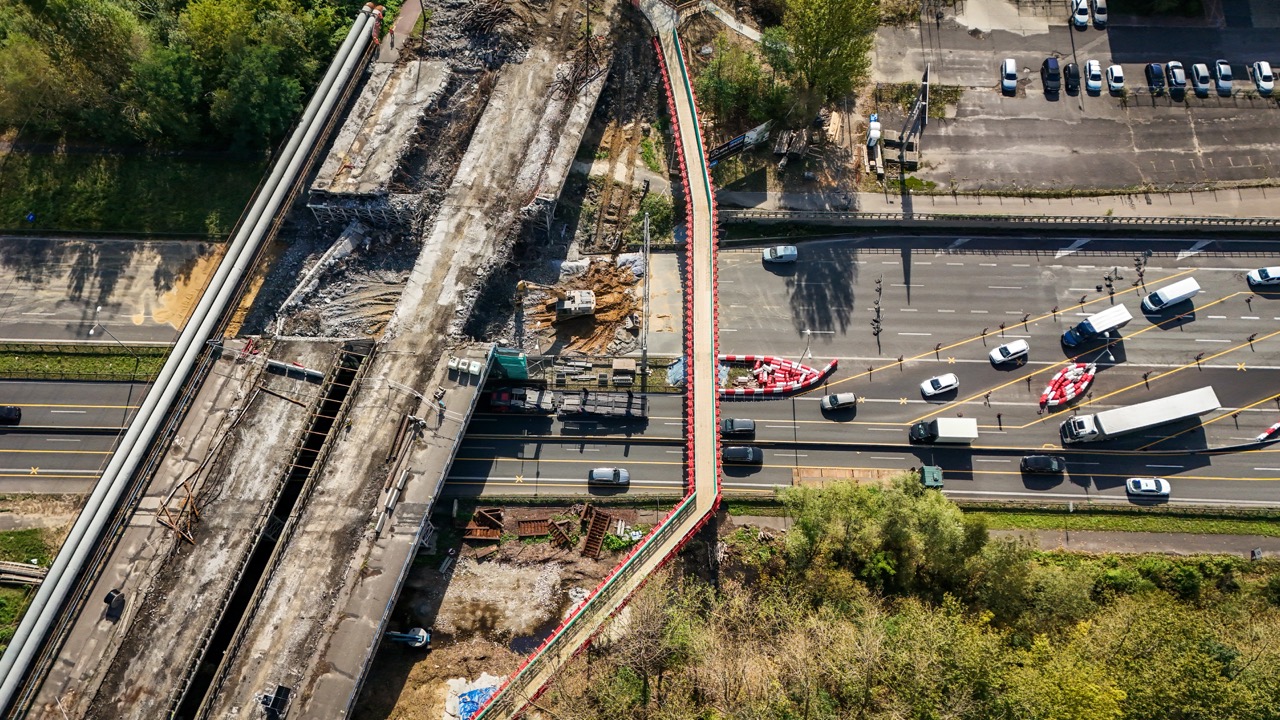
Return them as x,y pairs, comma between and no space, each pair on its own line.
776,376
1068,384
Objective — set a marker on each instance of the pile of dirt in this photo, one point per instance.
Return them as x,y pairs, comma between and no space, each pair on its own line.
613,328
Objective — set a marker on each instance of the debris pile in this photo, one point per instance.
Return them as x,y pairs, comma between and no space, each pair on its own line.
613,328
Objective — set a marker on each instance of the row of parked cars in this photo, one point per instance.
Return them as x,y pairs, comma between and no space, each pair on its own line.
1203,80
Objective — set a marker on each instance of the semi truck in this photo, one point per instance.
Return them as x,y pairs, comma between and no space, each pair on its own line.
1122,420
957,431
580,404
1097,325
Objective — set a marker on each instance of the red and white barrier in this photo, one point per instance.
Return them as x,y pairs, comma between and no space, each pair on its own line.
776,376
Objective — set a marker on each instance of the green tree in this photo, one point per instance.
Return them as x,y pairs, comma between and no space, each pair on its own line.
732,82
831,41
1059,683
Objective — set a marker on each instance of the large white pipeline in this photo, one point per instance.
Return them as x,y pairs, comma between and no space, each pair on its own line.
92,521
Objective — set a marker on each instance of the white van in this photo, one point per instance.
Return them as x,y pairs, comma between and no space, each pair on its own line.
1171,294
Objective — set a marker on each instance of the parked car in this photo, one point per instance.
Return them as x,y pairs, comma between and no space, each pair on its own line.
737,427
1100,13
1115,79
940,384
1147,487
609,476
781,254
1200,80
1155,78
1051,75
839,401
1177,77
1222,76
743,454
1080,13
1263,77
1043,465
1093,76
1071,75
10,415
1009,351
1264,276
1009,75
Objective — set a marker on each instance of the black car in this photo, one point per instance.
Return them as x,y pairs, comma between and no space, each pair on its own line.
737,427
1071,74
10,415
1044,464
1155,78
1051,75
743,454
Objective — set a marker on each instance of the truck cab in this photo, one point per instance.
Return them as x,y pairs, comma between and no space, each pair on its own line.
1097,325
1078,428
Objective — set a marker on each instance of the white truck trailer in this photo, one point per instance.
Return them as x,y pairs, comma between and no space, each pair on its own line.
1122,420
957,431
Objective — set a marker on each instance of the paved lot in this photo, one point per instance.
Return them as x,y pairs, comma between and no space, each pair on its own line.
935,294
1030,141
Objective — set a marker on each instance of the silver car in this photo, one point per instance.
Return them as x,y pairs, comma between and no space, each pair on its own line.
609,476
839,400
1222,76
1200,80
781,254
1147,487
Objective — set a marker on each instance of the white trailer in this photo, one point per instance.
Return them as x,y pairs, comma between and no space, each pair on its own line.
1122,420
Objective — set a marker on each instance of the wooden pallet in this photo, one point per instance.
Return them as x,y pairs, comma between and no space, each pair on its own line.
560,533
597,526
533,528
475,532
488,517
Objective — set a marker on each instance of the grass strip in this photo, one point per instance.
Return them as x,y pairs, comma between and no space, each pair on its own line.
89,364
20,546
1129,523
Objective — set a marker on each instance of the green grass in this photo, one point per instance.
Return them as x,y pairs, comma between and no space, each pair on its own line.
135,192
1137,522
904,94
912,182
649,154
39,364
24,545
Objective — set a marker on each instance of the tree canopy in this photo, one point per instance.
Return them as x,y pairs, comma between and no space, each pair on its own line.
164,72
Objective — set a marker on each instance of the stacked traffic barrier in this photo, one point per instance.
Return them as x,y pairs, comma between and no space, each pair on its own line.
809,377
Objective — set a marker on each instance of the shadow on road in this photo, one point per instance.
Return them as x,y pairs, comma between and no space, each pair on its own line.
822,290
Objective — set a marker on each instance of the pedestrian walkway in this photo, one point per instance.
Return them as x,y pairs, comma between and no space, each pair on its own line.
733,23
402,28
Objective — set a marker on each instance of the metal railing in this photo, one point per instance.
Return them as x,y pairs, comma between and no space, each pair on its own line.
832,216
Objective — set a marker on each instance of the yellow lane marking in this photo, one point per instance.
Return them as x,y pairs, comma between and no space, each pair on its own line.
1038,318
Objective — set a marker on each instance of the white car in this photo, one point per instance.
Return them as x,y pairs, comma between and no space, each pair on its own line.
1009,75
1200,80
940,384
1263,78
1264,276
1100,13
781,254
1080,13
1222,76
839,401
1147,487
1093,76
1115,79
1009,351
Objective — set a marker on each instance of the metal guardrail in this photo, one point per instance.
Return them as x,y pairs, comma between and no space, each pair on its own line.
952,218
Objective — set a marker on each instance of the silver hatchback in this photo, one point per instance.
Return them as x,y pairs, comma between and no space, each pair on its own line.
609,476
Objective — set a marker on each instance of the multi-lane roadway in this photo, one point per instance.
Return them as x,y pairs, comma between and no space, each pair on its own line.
66,436
941,309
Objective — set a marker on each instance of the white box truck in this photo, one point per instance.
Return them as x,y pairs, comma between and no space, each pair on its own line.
1097,325
1119,421
957,431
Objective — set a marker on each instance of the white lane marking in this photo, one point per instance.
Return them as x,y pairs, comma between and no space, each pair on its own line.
785,427
989,264
1249,317
1063,252
887,429
923,263
1266,468
672,423
916,334
978,312
45,314
590,449
675,452
1211,340
905,285
996,461
727,330
1004,287
1178,467
1193,250
76,412
1086,267
788,455
1022,264
956,264
895,457
71,440
888,262
1217,317
946,311
1085,463
908,310
1080,289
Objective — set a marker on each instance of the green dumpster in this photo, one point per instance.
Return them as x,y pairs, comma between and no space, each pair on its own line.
931,476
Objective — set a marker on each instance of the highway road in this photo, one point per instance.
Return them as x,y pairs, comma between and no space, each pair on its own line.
67,433
944,297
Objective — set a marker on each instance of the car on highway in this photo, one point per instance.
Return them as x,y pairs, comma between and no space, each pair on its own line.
1222,76
1155,78
1100,13
1093,76
1147,487
1071,76
1080,13
737,427
1009,351
1051,76
743,454
1200,79
940,384
1009,75
609,476
1043,464
839,401
10,415
1264,276
1115,79
1177,77
1263,77
781,254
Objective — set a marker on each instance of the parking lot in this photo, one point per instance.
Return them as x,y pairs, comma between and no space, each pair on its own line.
1080,140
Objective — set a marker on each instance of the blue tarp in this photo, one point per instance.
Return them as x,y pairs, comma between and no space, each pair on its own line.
675,373
470,701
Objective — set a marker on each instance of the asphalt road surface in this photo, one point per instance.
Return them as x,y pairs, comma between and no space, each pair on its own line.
945,296
66,436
